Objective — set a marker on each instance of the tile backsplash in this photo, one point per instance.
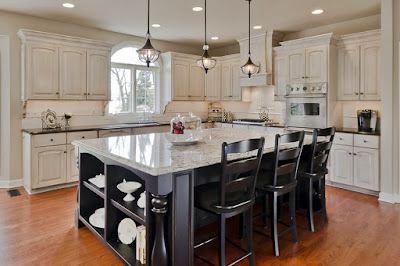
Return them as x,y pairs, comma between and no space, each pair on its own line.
350,111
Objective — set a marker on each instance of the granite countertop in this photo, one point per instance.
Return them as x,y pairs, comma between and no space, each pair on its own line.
155,155
38,131
355,131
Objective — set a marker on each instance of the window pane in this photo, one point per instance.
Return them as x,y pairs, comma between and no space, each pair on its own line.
121,91
127,55
145,91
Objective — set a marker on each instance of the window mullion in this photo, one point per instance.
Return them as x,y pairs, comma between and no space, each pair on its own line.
133,98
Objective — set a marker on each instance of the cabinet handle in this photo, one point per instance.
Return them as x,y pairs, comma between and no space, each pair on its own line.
65,152
303,77
84,93
57,93
355,154
88,93
306,77
350,153
361,93
51,140
340,138
83,137
365,141
356,93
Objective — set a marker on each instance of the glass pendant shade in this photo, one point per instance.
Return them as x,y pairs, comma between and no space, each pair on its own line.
249,68
148,54
206,61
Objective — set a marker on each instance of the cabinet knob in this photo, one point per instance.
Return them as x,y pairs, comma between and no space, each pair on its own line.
83,137
356,93
51,140
65,151
303,77
84,93
361,93
350,153
88,93
355,154
340,138
365,141
57,93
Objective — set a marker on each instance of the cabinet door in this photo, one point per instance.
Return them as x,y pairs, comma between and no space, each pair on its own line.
235,76
98,75
72,73
370,72
316,65
296,68
226,82
72,165
197,83
180,81
213,84
341,170
366,168
280,77
41,71
49,166
348,73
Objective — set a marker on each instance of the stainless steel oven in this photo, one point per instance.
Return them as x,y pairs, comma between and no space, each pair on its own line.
306,105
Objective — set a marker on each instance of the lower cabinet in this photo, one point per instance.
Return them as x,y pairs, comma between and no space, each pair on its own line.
49,166
72,165
354,165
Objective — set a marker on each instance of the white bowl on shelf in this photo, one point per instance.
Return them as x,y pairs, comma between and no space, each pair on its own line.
97,218
128,188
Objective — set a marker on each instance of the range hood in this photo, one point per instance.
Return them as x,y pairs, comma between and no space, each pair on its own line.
261,54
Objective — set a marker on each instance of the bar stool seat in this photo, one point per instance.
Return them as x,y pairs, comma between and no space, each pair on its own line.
284,183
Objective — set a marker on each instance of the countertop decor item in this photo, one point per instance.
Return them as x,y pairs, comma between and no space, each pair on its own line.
192,123
263,114
249,68
128,188
206,62
214,112
141,203
185,130
98,181
97,218
67,117
49,119
148,54
127,231
177,124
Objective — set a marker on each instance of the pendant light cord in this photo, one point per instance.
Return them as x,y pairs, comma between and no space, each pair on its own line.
205,22
249,27
148,16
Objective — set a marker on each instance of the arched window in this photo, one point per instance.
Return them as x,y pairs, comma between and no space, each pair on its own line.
134,87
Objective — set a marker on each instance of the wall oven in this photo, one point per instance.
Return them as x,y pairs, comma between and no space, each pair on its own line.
306,105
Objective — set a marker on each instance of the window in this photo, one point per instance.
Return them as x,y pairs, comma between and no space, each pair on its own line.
133,85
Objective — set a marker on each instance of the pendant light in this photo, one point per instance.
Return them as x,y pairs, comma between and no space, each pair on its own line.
148,54
206,62
249,68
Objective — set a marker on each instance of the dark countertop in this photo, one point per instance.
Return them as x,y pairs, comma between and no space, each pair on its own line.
355,131
38,131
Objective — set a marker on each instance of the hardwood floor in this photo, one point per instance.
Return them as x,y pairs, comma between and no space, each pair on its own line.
39,230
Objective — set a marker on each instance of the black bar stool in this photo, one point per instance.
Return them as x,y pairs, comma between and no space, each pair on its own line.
233,195
281,180
315,169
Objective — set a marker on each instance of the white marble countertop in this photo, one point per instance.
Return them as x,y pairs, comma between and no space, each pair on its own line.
155,155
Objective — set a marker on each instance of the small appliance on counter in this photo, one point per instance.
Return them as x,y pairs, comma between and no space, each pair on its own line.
367,120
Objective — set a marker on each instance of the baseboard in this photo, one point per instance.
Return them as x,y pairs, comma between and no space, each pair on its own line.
388,197
352,188
11,183
397,198
47,189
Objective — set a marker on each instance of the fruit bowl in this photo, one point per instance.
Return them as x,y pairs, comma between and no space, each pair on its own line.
128,188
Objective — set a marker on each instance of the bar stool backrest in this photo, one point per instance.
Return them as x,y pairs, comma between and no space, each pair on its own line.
320,150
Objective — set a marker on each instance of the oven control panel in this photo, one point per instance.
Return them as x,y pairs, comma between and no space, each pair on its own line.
307,88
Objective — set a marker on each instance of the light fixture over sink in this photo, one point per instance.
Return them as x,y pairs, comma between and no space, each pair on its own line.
148,54
206,62
249,68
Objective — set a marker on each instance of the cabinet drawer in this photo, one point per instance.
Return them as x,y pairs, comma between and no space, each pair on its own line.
49,139
343,139
71,136
366,141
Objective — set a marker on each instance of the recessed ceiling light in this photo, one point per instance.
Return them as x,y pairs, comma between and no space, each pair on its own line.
156,25
257,27
317,11
197,8
214,38
68,5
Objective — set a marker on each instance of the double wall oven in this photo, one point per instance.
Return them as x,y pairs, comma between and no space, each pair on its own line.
306,105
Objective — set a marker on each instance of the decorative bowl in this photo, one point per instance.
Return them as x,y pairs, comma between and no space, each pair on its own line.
127,231
183,139
128,188
141,203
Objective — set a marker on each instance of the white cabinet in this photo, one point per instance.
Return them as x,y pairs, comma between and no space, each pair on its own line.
358,165
72,73
49,166
98,73
114,132
180,81
230,79
359,64
308,65
213,84
63,67
197,83
41,71
280,76
72,165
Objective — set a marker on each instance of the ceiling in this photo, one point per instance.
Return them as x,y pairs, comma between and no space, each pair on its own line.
227,19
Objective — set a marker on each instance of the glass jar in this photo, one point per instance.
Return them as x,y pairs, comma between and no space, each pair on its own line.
178,125
192,123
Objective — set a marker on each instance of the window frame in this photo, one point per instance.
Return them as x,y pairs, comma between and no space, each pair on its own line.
133,68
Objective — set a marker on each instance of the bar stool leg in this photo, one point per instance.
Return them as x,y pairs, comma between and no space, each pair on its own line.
323,199
222,227
242,225
310,204
265,210
274,223
292,208
249,235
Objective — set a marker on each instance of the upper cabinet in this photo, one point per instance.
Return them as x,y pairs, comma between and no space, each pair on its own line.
230,78
197,83
213,84
63,67
358,69
280,76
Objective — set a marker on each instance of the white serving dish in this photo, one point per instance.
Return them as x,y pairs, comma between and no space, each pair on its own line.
98,181
97,218
127,231
141,203
128,188
183,139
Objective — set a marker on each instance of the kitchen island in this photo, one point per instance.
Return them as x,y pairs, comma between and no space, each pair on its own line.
167,173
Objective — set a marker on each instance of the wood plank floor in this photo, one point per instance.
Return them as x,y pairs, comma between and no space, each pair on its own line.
39,230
